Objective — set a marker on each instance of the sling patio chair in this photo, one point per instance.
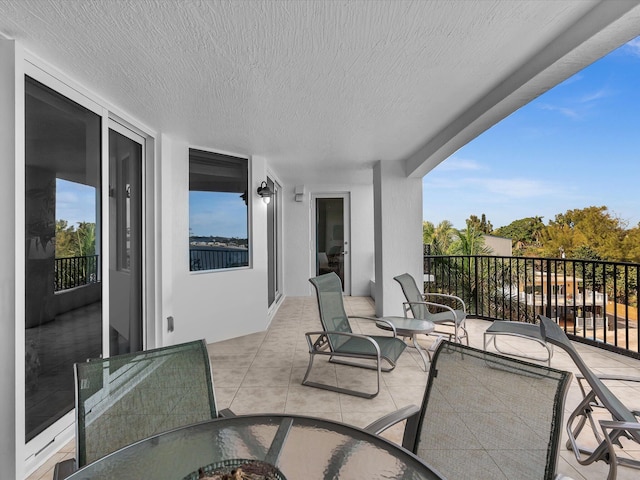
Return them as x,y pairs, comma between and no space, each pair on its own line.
485,416
338,341
125,398
420,306
612,423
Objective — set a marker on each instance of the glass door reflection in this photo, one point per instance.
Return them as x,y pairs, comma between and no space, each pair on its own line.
125,241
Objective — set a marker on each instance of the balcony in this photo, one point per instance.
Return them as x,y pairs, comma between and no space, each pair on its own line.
262,373
594,301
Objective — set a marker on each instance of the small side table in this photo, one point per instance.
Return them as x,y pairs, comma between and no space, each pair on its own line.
411,327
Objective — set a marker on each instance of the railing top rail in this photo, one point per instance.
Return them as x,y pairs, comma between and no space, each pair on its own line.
545,259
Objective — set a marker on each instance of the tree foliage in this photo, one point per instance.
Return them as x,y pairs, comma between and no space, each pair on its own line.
469,241
524,233
440,237
72,242
587,231
481,225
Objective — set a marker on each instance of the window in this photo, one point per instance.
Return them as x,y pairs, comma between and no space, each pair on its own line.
218,214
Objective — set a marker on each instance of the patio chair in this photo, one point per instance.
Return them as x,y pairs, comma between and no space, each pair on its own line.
125,398
337,340
485,416
620,423
419,305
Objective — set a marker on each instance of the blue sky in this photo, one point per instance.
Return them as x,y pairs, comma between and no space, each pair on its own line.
575,146
218,214
75,202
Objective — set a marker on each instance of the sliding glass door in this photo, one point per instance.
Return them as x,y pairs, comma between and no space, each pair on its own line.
63,291
66,224
273,244
126,151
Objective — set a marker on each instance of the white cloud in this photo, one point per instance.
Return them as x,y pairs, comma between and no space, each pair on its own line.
458,164
603,92
500,189
66,197
634,46
567,112
513,187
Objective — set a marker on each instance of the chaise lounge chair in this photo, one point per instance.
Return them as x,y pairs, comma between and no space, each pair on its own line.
524,330
622,423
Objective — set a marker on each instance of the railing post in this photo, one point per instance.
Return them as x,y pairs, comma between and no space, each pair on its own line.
549,289
474,290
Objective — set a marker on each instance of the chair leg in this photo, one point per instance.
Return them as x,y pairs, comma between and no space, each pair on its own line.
64,469
337,389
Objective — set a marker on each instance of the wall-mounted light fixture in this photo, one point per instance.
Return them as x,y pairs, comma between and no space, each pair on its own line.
265,192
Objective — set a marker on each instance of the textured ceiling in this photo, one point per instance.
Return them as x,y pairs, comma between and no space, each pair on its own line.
313,86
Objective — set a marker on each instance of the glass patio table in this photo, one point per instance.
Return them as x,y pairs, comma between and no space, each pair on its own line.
299,447
411,327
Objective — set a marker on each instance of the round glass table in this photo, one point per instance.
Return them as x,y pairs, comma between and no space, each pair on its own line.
411,327
299,447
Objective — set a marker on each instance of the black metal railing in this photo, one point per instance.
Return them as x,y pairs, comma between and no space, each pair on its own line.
71,272
213,258
596,302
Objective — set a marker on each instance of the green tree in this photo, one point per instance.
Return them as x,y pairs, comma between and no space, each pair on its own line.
578,231
86,239
65,239
469,241
524,233
75,243
480,224
439,237
427,232
631,245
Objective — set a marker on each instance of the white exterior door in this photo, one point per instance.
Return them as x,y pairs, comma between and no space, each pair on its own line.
332,236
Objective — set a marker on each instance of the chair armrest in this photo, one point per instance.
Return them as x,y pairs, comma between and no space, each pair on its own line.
319,344
621,378
441,306
445,295
391,419
612,425
585,387
392,327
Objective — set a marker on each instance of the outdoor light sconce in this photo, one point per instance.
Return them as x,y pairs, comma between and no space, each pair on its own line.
265,192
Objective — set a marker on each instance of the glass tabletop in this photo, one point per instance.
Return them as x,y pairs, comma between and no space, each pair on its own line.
299,447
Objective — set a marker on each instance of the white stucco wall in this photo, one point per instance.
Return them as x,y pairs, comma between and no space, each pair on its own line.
398,231
298,246
212,305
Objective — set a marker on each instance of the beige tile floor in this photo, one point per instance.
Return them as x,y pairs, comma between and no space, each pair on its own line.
262,373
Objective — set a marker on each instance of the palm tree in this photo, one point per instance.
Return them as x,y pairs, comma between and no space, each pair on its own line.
469,241
442,236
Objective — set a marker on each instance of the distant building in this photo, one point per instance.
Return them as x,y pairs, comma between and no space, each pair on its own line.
500,246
